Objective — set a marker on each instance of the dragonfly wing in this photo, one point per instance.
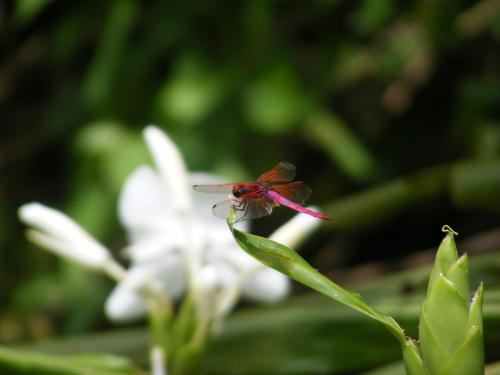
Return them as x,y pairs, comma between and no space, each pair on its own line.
215,189
222,209
244,209
282,172
257,208
296,191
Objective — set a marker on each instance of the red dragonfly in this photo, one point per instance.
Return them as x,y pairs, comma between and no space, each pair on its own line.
252,200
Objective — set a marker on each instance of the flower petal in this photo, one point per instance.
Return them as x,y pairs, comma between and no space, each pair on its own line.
230,254
171,166
143,207
58,233
296,230
126,303
206,285
154,247
266,285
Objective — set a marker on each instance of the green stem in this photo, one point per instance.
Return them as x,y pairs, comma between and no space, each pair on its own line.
468,184
385,201
160,319
189,358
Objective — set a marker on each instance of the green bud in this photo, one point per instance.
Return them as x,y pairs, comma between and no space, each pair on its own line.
451,331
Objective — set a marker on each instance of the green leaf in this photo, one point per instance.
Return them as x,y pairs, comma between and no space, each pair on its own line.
446,256
305,334
371,15
458,275
343,146
160,319
475,308
183,327
104,361
191,92
189,359
447,313
109,146
98,86
469,358
14,361
287,261
475,184
275,102
430,347
26,10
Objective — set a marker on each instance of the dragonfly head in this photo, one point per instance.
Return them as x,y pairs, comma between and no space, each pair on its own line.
240,190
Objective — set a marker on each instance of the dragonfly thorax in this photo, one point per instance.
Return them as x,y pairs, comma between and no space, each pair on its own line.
243,189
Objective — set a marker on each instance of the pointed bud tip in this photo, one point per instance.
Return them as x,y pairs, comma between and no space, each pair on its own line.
447,229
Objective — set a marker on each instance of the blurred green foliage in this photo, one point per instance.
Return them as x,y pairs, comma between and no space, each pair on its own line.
390,111
309,333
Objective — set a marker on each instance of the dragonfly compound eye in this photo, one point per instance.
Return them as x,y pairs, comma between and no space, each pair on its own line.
238,191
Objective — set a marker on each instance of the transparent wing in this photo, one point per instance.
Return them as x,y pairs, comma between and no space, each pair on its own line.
215,189
282,172
222,209
244,209
296,191
257,208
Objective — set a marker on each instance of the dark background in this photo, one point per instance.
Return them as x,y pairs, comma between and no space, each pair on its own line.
390,111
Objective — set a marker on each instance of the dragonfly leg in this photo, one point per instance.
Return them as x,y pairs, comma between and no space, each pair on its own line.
241,206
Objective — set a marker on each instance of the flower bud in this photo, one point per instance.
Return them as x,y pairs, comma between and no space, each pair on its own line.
56,232
451,331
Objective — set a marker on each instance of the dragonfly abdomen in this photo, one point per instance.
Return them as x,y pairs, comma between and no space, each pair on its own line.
278,198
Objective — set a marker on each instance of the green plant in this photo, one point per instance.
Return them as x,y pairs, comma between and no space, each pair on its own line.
451,337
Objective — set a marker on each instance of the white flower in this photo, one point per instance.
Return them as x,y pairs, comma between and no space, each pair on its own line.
58,233
177,245
157,241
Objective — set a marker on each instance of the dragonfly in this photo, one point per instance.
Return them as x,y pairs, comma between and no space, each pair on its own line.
253,200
